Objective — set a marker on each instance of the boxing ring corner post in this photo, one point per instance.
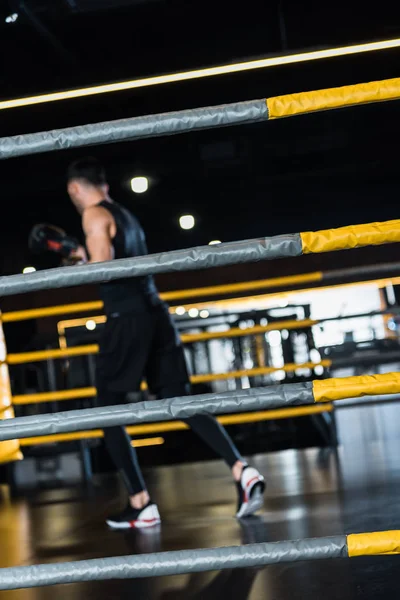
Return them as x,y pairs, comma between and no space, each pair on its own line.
9,450
181,562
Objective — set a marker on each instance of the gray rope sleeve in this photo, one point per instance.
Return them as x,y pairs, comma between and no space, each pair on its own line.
157,410
173,563
191,259
135,128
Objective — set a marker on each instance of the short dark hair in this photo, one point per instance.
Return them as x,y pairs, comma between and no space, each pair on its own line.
89,169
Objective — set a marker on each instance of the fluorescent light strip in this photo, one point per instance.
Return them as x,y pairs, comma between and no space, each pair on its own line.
200,73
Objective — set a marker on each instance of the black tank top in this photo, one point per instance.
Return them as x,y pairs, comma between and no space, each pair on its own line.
135,293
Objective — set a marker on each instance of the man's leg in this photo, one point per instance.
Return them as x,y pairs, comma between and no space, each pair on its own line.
168,377
141,512
209,430
123,455
250,483
120,366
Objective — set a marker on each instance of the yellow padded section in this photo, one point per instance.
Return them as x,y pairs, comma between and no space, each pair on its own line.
349,95
352,236
327,390
379,543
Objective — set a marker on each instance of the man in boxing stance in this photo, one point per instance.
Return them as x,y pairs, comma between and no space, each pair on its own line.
140,340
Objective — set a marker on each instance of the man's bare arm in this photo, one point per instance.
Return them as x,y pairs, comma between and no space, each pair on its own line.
97,224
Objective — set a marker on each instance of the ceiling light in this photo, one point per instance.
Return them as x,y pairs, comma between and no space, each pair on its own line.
29,270
187,221
90,325
12,18
214,242
139,185
180,310
204,314
193,312
239,67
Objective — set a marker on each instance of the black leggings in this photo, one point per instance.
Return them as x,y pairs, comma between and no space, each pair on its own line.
118,442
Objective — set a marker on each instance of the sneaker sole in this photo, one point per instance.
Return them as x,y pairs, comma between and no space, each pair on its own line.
255,502
134,525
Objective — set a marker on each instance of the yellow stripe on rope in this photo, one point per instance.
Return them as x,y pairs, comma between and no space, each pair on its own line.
328,390
75,394
210,335
50,311
352,236
349,95
157,441
71,437
325,390
215,290
26,357
89,392
373,544
39,355
239,332
270,415
232,288
288,368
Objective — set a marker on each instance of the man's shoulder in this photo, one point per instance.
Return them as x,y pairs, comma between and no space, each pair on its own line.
97,209
96,213
121,215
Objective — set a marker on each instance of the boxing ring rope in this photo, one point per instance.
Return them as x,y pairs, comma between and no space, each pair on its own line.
282,294
255,399
159,564
187,338
239,113
230,288
277,282
55,353
281,246
208,377
89,392
234,419
50,311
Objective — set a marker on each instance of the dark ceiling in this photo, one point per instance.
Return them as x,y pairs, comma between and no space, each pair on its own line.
315,171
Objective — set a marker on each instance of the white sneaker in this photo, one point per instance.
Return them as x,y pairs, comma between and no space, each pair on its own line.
135,518
250,491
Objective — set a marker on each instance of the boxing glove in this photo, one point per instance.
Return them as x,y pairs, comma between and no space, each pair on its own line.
44,237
